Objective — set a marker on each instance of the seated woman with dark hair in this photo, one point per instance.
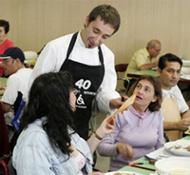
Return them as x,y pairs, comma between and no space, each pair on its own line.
48,143
138,130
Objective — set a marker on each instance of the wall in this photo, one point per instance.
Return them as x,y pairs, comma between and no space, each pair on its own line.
35,22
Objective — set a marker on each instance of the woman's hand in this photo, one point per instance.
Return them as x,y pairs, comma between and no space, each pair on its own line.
106,126
125,150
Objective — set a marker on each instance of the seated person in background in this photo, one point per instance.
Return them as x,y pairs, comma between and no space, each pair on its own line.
176,111
48,143
138,130
5,43
145,58
17,83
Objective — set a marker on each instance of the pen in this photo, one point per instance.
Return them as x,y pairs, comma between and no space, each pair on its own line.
136,163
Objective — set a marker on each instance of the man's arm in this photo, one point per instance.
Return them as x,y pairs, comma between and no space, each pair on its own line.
10,94
147,66
107,90
182,125
44,63
186,115
141,61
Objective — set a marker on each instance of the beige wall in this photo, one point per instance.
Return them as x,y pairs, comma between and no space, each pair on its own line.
35,22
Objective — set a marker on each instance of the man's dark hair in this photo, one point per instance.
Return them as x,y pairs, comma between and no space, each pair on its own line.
169,57
108,14
5,25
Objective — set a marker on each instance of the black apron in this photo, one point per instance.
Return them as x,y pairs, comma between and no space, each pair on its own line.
87,80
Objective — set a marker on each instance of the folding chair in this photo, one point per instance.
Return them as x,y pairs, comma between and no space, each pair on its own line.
16,119
121,68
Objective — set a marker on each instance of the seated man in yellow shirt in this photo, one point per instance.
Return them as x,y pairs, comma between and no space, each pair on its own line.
145,58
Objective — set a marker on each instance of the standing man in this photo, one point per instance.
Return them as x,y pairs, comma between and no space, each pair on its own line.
176,110
145,58
89,61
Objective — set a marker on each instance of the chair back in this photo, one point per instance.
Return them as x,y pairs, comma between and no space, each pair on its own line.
16,119
120,67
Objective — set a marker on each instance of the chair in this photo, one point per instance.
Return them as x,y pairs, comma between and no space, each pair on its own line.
16,120
4,170
4,144
4,136
121,68
31,57
16,124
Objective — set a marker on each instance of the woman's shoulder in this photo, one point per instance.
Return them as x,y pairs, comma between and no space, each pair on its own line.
158,115
33,135
77,140
122,118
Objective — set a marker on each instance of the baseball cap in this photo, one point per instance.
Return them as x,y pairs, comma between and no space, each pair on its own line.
13,52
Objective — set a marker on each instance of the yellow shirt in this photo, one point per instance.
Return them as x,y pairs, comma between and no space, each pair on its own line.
139,58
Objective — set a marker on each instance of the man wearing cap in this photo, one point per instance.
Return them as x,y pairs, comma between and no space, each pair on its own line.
17,83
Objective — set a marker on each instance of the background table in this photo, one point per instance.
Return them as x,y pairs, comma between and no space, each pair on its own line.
137,74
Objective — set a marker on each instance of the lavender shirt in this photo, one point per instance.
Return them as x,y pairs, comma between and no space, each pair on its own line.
143,131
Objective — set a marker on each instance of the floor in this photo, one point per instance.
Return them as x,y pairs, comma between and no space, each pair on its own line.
102,163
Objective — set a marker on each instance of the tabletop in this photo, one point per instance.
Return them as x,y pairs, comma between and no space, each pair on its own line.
143,165
183,83
137,74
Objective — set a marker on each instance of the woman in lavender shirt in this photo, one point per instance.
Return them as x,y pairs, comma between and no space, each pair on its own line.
139,129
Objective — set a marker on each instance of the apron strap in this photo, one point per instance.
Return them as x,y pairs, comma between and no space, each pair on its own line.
100,55
71,44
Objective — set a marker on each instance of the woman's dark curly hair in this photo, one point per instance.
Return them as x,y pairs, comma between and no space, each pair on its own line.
153,106
49,97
